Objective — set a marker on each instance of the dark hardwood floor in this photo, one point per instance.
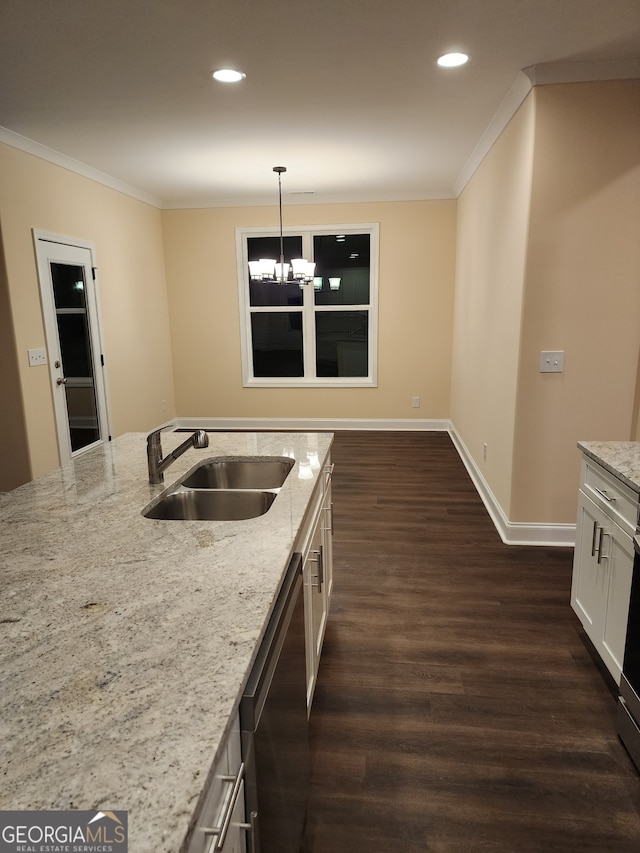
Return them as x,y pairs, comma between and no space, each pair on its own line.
457,706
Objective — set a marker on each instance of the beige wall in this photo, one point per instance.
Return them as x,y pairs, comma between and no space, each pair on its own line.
417,257
548,258
127,235
582,290
15,467
493,220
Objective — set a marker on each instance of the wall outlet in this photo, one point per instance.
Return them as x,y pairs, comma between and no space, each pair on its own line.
484,451
415,402
37,356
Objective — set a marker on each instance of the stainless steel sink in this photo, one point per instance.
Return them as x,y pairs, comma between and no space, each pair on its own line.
258,473
192,505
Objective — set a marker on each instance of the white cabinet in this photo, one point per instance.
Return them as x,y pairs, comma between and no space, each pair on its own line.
327,509
221,826
603,561
317,571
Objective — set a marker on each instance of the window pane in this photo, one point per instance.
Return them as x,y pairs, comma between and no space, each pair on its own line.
277,344
265,293
75,347
346,257
342,343
68,285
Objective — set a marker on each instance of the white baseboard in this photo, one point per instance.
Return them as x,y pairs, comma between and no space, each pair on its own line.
313,424
511,533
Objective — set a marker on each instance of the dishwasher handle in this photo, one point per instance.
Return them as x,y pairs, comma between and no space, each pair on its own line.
259,681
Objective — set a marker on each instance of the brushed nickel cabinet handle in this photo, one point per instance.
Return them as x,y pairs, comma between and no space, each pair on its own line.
593,538
219,832
604,495
319,578
601,556
329,511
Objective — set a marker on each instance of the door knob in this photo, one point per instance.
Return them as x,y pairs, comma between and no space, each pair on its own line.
60,381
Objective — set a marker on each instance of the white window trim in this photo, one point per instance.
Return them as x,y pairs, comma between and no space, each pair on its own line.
307,232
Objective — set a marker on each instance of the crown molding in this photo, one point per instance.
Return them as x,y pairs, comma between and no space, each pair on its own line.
29,146
543,74
519,90
547,73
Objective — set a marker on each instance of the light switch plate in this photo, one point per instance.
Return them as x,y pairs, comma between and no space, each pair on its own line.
37,356
551,361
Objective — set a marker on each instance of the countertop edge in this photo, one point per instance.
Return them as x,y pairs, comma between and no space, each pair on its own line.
620,458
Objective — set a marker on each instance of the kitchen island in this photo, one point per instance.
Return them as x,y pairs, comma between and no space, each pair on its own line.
126,641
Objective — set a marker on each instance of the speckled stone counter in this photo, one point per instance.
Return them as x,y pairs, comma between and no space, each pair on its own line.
621,458
126,642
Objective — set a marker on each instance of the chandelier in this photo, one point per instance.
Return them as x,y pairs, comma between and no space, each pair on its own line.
273,272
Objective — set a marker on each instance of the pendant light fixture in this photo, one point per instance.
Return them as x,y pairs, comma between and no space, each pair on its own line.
277,272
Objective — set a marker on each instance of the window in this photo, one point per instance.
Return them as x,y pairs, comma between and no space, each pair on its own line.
322,334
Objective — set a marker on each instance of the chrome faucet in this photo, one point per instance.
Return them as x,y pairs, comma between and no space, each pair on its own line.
158,465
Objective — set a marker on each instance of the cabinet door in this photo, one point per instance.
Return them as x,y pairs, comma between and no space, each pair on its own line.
619,559
314,602
601,585
327,510
588,589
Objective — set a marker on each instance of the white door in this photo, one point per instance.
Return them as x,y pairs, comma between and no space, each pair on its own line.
76,360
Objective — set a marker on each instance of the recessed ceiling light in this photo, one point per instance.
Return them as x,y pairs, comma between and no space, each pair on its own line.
452,60
228,75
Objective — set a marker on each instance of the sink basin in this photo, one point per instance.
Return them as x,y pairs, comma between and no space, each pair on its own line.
266,473
211,505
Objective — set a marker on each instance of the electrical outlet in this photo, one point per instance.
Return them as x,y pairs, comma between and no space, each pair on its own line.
484,451
415,402
37,356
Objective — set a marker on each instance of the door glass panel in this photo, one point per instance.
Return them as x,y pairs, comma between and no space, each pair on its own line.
266,293
345,258
342,343
277,343
75,348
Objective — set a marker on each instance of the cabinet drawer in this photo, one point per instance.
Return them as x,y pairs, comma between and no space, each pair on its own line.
615,498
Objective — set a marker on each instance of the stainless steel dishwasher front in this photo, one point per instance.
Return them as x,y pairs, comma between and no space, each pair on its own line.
273,722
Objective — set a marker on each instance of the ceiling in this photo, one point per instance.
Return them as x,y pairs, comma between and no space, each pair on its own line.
345,93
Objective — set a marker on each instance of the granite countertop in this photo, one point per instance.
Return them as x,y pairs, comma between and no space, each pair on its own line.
621,458
126,642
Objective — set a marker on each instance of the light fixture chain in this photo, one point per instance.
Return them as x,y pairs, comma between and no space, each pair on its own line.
281,237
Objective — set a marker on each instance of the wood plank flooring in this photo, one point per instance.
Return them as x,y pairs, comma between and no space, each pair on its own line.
457,706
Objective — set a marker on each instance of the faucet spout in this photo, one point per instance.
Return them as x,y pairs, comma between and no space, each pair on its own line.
158,465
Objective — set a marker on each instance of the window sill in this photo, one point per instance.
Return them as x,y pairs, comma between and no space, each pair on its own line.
299,382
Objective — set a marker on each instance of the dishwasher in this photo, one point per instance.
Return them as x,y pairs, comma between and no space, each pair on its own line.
628,717
273,723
